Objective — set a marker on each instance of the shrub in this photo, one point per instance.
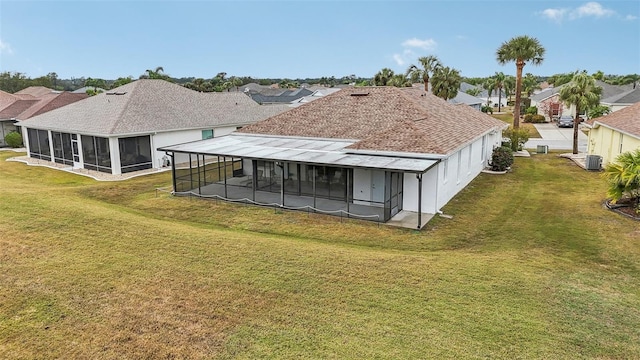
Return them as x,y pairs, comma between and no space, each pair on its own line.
623,176
13,139
531,110
537,119
501,159
517,138
487,109
528,118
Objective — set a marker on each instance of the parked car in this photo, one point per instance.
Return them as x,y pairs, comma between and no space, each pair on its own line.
565,121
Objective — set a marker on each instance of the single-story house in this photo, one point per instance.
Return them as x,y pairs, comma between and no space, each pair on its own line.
622,100
374,153
28,103
118,131
614,134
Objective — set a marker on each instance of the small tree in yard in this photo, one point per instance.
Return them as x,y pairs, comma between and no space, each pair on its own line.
623,177
501,159
13,139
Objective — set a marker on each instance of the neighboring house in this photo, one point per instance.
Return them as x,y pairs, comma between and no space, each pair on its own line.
547,101
464,98
28,103
622,100
277,96
118,131
614,134
375,153
314,96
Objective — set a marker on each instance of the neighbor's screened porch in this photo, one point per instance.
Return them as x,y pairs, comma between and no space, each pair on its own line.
291,185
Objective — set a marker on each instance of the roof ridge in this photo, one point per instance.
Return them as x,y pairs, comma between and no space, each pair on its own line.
134,85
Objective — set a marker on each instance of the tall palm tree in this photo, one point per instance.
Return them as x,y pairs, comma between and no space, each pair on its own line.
446,83
498,85
429,66
521,49
583,93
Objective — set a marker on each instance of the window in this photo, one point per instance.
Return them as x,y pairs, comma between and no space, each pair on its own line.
39,144
445,170
96,153
207,134
135,153
62,150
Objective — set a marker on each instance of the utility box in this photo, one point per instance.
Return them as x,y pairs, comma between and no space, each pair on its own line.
542,149
593,162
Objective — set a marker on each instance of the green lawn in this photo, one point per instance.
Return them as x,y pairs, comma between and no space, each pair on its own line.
530,267
508,118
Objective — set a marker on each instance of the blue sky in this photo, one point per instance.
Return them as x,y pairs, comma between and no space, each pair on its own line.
299,39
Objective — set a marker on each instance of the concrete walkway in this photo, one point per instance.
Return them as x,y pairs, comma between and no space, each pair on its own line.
557,138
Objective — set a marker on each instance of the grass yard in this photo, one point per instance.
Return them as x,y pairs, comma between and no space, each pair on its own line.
508,118
530,267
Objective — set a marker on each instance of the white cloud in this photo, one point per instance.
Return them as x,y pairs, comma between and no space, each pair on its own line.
5,48
592,9
426,44
554,14
630,17
399,60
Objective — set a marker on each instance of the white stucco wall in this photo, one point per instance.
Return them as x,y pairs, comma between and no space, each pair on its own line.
449,176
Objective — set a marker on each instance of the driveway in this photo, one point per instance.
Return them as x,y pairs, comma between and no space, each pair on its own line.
557,138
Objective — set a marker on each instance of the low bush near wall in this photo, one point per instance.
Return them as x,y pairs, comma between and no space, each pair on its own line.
501,159
13,139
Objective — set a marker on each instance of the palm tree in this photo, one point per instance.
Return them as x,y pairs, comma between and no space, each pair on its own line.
582,92
623,176
498,84
399,80
520,49
489,85
158,73
429,66
509,86
382,77
446,83
529,84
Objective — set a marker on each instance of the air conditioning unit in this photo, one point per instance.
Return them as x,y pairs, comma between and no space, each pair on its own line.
542,149
593,162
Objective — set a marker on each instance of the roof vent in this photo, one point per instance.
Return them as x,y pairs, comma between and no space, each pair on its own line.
360,94
116,93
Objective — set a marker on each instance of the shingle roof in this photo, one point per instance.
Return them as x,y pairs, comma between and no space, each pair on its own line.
628,97
36,91
16,108
148,105
383,119
625,120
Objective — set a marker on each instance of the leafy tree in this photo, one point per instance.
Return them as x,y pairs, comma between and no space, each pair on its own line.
95,83
529,84
54,80
382,77
598,75
598,111
521,49
429,66
582,92
93,92
446,82
121,81
623,176
560,79
12,82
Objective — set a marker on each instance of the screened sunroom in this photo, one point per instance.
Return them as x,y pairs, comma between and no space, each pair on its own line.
298,174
